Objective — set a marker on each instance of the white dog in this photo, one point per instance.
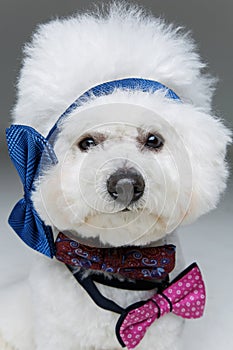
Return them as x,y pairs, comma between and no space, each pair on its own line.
131,166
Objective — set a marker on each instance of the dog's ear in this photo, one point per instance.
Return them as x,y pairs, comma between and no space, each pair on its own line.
206,141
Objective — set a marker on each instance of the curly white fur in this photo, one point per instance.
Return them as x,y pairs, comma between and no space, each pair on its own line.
183,180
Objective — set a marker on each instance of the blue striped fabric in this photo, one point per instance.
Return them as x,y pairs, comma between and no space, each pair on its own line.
31,154
26,147
134,84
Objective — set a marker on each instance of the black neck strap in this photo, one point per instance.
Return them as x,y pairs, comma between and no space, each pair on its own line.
91,289
88,284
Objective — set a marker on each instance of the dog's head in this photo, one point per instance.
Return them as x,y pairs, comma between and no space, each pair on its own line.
132,166
128,174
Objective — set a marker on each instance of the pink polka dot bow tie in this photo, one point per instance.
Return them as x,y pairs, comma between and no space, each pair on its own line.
185,297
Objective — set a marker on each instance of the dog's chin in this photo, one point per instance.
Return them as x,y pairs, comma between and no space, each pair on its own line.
123,228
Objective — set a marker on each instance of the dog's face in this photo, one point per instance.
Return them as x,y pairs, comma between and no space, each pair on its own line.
127,175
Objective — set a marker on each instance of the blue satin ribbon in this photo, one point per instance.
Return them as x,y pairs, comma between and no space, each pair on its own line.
32,154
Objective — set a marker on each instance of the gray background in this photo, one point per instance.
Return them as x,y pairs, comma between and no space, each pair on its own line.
210,240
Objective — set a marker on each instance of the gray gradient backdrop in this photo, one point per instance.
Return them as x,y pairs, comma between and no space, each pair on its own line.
210,240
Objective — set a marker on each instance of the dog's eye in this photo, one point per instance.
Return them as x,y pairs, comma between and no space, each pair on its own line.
87,143
154,141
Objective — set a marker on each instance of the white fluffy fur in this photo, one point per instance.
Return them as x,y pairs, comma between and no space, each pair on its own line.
183,180
67,57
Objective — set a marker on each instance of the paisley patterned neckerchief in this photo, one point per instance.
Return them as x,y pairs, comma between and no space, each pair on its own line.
131,262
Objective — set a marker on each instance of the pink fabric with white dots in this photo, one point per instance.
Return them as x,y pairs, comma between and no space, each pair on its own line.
187,299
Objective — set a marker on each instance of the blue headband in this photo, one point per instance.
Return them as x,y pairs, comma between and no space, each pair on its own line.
28,150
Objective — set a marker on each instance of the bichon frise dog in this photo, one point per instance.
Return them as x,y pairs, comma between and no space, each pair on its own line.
136,153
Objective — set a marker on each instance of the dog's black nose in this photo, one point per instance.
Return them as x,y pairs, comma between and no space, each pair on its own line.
126,185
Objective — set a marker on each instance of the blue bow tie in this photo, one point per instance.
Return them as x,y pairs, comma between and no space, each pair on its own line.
31,154
28,150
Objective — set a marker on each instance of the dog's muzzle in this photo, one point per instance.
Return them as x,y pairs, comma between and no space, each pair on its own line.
126,186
